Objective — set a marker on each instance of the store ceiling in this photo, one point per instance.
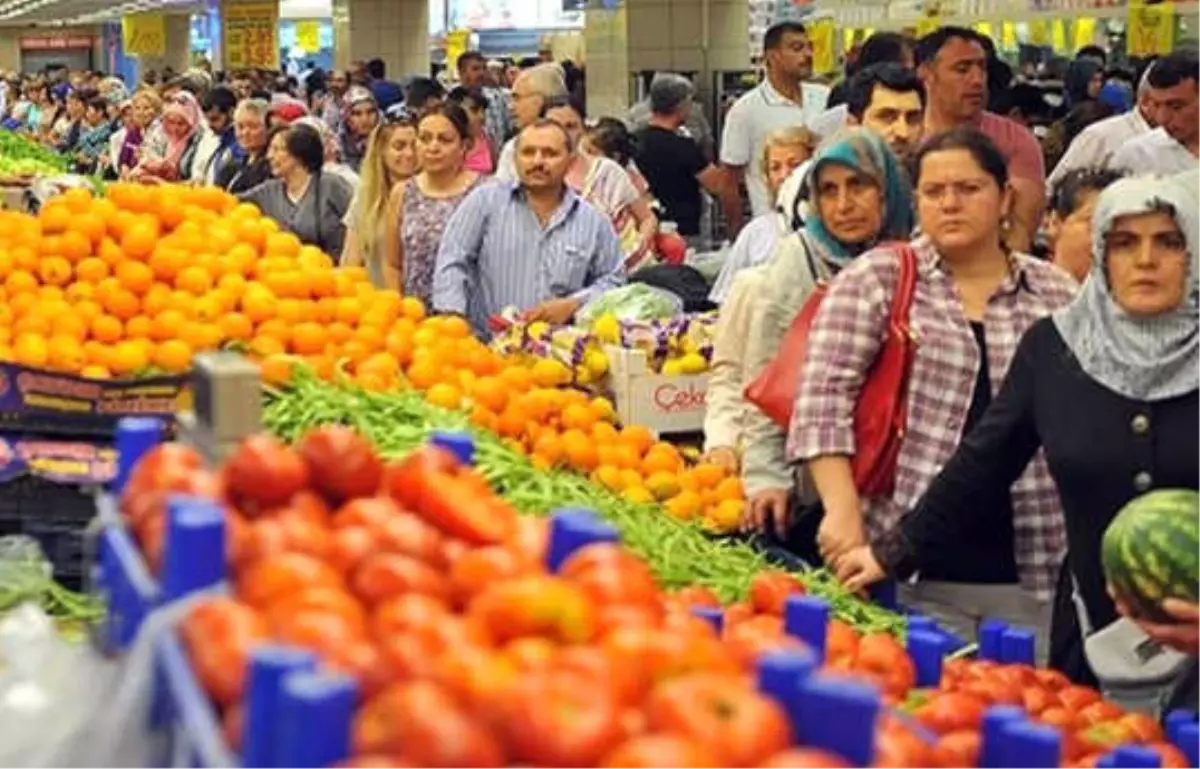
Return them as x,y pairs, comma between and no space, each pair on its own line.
58,13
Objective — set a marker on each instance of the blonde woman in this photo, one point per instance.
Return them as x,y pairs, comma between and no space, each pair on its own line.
391,159
785,150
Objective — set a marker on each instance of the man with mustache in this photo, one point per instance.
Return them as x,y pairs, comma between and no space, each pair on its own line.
531,244
953,64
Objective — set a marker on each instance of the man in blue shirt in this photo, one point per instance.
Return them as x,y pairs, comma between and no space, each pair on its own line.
533,244
386,92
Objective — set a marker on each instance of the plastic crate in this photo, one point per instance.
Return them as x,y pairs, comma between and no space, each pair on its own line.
56,515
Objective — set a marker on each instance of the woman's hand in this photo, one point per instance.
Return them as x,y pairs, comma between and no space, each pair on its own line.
767,510
841,530
724,458
1182,635
858,569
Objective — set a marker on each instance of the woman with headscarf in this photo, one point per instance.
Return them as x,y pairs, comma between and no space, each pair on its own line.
180,129
858,195
1106,387
1084,79
361,116
972,300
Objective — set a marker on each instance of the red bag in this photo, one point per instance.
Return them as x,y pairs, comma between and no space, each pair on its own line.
881,411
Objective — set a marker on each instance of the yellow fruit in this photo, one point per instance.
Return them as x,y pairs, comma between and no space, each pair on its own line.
684,506
609,477
596,362
663,485
693,363
638,494
607,329
673,367
726,516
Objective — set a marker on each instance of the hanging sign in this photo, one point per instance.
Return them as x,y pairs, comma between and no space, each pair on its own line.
308,36
457,42
1039,33
821,34
144,34
251,35
1151,29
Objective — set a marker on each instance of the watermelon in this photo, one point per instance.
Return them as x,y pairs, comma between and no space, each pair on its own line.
1151,551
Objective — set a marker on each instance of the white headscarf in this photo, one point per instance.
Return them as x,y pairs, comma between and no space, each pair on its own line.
1142,358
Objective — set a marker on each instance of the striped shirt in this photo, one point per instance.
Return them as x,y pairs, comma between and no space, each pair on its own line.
842,345
495,254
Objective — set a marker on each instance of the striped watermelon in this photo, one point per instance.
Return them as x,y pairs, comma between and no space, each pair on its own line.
1151,551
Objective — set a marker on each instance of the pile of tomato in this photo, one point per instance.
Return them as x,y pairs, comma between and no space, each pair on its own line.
430,591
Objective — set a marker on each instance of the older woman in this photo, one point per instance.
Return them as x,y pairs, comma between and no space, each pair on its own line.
971,303
859,196
1107,387
248,168
172,161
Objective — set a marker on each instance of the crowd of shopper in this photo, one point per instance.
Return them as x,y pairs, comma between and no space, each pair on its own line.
1052,315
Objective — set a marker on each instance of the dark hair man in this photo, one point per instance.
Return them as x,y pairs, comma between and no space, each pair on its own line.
1171,148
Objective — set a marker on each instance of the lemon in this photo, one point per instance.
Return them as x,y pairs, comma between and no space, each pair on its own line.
607,329
672,367
693,363
596,362
638,495
538,329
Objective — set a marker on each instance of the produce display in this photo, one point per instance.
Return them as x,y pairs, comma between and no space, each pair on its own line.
1151,551
22,158
25,577
476,637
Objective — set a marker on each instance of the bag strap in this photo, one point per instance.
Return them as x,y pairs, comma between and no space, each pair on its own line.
906,284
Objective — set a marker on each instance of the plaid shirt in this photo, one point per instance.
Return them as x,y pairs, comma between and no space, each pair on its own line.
844,340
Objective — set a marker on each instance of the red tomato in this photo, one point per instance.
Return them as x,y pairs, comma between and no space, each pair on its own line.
1142,727
341,463
1077,697
530,538
160,468
404,613
841,645
320,631
593,663
152,537
558,719
428,483
809,758
770,589
275,578
263,473
736,724
308,506
233,724
947,712
365,663
424,721
1036,700
531,653
476,676
653,750
348,546
750,640
301,535
659,654
883,659
375,761
332,600
697,596
219,634
1099,712
1058,716
1052,679
610,574
1171,756
610,618
405,534
993,691
409,657
897,746
371,512
386,575
478,569
738,612
536,605
958,749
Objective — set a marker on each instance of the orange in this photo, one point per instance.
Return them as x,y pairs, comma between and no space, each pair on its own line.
107,329
604,409
275,328
579,417
412,308
87,309
400,345
194,279
309,338
128,357
95,371
30,350
203,336
518,378
604,433
489,392
422,375
730,488
208,309
625,456
7,262
322,283
661,462
384,366
75,245
106,288
136,277
283,244
55,217
110,252
549,446
33,324
580,451
173,355
638,437
445,395
265,346
550,373
684,506
167,261
608,477
69,325
233,284
139,327
157,299
167,325
339,332
93,269
455,327
182,301
65,353
20,282
235,326
276,369
122,304
77,199
349,310
139,240
91,226
258,303
370,336
243,257
55,271
707,475
25,258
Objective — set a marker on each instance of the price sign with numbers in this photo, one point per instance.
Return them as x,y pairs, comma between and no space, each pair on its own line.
251,35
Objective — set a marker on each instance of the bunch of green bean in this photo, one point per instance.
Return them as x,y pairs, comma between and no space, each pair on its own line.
681,553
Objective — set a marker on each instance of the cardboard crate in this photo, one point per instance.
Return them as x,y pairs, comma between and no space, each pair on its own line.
665,404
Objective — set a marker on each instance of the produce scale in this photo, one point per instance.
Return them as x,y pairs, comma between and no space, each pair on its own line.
333,531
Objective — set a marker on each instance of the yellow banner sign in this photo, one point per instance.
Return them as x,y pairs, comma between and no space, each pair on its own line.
927,25
144,34
1151,29
822,34
457,42
251,35
308,36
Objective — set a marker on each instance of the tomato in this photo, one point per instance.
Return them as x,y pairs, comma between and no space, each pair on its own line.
1170,756
688,624
883,659
809,758
957,749
600,556
152,537
424,721
219,634
275,578
161,468
610,574
659,654
348,546
750,640
405,534
1141,727
610,618
536,605
341,463
375,761
654,750
947,712
308,506
738,612
476,676
531,653
1052,679
477,569
233,724
993,691
1099,712
263,473
458,507
364,662
331,600
1036,700
841,645
366,511
386,575
409,657
404,613
697,596
737,724
301,535
1058,716
1078,697
897,746
558,719
601,667
530,538
317,630
770,589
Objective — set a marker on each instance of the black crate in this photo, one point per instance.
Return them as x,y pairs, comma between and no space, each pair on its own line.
56,515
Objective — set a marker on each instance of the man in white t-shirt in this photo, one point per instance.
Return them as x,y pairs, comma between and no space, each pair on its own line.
1173,147
780,101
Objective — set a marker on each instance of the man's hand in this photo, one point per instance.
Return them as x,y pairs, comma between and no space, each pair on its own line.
1182,635
556,312
858,569
723,457
767,510
841,530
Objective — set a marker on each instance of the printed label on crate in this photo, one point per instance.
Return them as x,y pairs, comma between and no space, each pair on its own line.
70,399
673,399
72,462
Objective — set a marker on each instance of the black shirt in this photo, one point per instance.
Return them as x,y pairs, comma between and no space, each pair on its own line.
240,176
1103,449
670,163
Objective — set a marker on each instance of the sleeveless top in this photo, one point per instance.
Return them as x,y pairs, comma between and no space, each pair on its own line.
422,221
